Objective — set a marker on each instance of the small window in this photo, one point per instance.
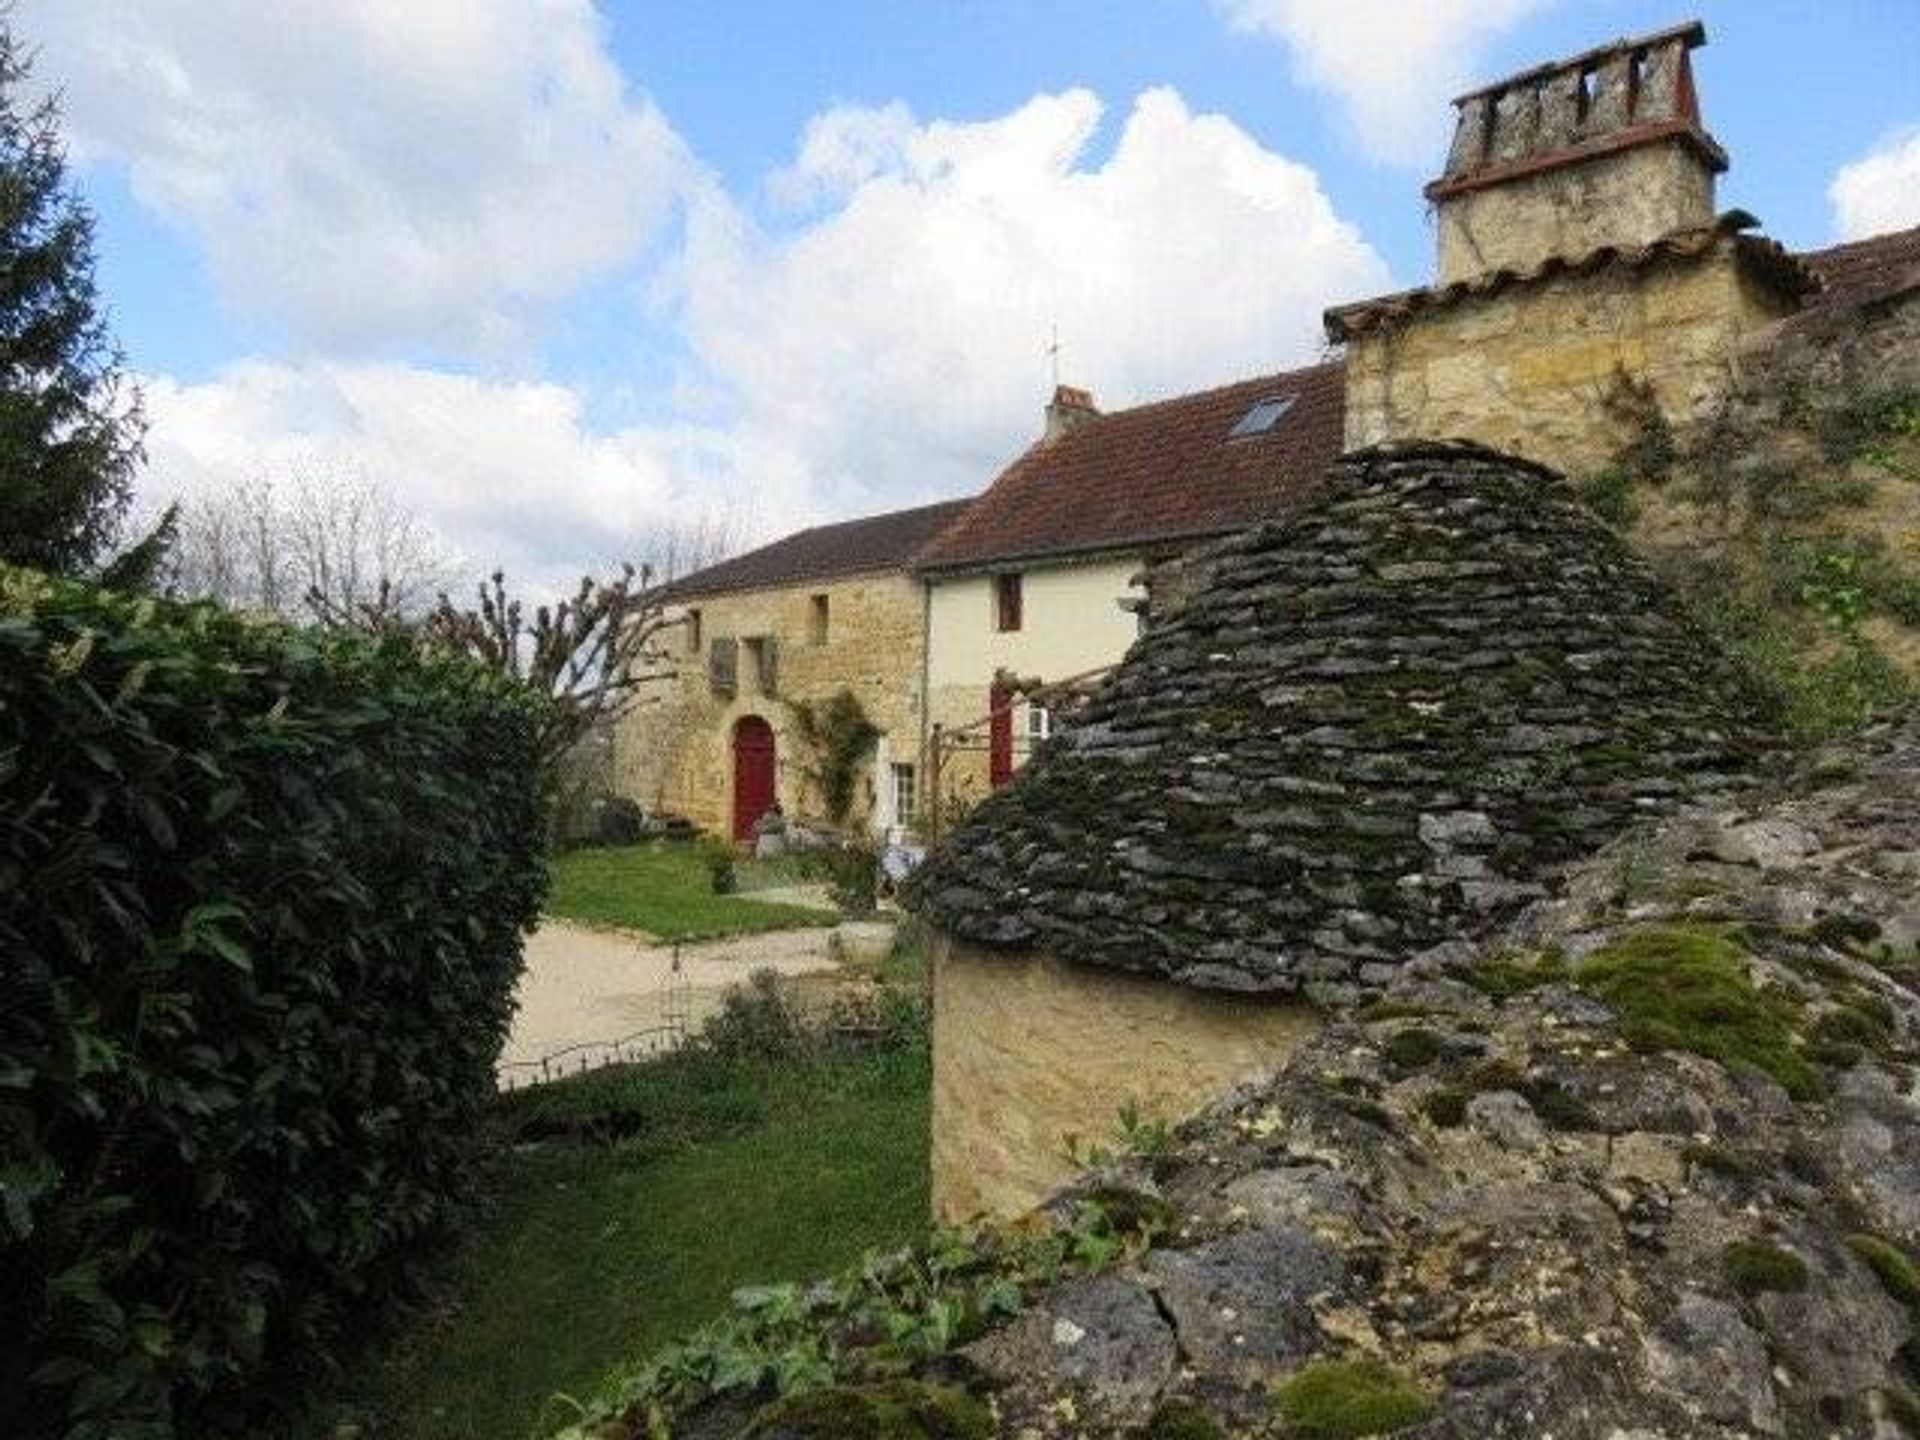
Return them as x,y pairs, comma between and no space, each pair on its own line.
1266,413
764,656
905,794
1039,724
723,666
819,613
693,632
1006,602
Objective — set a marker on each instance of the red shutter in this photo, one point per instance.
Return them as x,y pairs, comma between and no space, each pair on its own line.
1000,736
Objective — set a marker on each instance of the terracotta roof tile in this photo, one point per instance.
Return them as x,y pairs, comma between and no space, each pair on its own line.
825,552
1155,472
1766,258
1866,270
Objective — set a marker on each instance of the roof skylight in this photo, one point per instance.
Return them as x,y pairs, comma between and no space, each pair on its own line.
1266,413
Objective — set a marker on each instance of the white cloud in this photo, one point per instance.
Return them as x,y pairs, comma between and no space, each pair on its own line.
897,336
369,172
1879,191
882,345
507,473
1392,64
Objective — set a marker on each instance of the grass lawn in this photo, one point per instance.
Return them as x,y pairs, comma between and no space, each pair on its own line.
663,889
729,1173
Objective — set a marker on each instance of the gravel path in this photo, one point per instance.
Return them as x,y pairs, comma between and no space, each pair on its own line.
585,985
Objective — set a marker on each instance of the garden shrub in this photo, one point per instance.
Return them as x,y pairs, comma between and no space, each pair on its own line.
262,894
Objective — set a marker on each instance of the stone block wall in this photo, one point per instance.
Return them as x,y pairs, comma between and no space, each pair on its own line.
1030,1051
676,754
1626,198
1528,369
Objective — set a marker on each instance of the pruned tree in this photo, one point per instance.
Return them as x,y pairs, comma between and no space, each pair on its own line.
321,543
600,651
71,425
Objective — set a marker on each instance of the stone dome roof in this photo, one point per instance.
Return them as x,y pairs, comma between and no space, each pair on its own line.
1377,726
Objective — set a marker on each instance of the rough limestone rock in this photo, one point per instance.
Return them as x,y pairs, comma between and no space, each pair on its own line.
1377,726
1553,1214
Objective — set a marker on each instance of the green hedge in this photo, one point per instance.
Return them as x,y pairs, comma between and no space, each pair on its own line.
262,895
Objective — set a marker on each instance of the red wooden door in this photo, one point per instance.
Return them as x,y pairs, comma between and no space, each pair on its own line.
752,773
999,735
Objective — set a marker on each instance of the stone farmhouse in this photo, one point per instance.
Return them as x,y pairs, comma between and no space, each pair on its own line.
1379,722
1581,254
789,625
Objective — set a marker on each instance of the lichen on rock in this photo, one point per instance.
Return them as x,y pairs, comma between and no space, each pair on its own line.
1378,726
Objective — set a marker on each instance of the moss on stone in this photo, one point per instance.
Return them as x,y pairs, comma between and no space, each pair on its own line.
1345,1399
1903,1406
1180,1419
1679,987
1504,976
1372,1112
1377,1010
1410,1049
1898,1274
895,1410
1755,1267
1843,932
1445,1107
1558,1107
1720,1160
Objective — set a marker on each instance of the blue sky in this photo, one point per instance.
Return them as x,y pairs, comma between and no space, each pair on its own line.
559,274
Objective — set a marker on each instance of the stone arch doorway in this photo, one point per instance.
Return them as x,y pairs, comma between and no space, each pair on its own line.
753,759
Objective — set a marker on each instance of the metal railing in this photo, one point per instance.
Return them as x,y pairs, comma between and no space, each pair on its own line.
672,1032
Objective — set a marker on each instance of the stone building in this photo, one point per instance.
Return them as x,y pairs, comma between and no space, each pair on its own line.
790,625
1040,580
1374,730
1579,252
1580,256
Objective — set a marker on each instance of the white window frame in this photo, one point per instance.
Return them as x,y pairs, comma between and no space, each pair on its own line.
903,771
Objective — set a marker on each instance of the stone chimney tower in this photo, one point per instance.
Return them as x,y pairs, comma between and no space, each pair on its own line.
1070,408
1603,149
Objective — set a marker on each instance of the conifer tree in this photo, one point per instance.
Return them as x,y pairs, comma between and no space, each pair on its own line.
70,420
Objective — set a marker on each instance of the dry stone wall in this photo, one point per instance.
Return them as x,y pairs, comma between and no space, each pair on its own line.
1381,725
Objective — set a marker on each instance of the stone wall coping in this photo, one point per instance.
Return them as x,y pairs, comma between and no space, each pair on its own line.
1769,261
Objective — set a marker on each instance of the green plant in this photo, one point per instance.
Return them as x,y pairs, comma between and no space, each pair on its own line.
756,1021
1687,988
1409,1049
1346,1399
1134,1133
70,419
889,1410
1609,494
262,895
1514,973
1832,590
840,736
854,885
1180,1419
1898,1275
867,1325
1755,1267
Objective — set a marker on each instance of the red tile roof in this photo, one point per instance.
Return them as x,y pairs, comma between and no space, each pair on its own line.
1866,269
1156,472
826,552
